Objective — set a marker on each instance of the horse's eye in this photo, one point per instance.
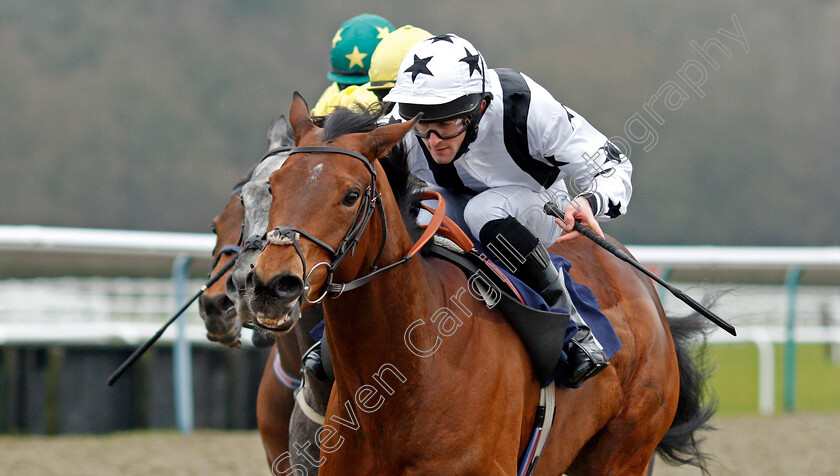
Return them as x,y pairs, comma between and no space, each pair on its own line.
350,198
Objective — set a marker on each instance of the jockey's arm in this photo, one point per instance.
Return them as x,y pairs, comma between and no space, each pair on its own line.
598,173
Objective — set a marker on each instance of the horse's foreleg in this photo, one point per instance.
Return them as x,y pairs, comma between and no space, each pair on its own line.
274,408
305,452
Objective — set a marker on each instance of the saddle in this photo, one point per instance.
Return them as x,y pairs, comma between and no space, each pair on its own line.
542,332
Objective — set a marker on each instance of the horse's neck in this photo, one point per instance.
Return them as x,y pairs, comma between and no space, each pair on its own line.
372,320
366,327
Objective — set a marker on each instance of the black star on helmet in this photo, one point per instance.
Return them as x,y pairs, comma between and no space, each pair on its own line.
445,37
419,67
614,209
472,60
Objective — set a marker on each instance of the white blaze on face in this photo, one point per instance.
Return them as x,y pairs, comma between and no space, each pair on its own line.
315,172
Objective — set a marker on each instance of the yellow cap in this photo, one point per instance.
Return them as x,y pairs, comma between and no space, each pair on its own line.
353,97
386,59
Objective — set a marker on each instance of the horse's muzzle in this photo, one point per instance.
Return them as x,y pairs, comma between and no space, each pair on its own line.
275,303
220,319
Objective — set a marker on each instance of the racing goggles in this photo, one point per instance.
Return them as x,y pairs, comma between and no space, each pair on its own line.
447,129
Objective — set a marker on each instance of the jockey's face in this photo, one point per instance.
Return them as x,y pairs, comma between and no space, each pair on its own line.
443,138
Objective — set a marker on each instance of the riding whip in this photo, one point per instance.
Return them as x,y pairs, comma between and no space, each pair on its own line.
553,210
143,348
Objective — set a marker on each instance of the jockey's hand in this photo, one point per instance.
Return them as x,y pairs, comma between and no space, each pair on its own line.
577,210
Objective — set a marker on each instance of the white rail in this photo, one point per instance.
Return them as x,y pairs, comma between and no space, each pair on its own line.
86,240
738,257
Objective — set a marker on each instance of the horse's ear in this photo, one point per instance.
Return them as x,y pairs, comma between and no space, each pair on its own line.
385,137
299,117
280,134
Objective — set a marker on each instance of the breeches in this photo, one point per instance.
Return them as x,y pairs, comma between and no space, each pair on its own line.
471,213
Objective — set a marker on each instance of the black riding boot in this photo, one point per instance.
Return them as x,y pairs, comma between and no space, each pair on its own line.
528,259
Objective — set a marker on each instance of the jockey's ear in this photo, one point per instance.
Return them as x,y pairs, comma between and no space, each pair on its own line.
383,138
299,117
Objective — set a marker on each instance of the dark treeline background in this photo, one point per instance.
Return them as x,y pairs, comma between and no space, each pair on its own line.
142,114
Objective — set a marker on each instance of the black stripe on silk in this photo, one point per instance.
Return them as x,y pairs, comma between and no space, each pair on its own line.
516,98
445,174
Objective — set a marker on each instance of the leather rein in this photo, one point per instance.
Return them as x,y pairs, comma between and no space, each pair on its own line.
370,202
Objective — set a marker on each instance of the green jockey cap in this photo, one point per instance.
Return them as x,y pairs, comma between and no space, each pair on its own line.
353,46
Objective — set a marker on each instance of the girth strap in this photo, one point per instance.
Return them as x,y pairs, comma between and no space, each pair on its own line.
307,409
289,381
539,437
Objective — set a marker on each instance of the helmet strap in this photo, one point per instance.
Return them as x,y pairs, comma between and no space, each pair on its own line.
472,128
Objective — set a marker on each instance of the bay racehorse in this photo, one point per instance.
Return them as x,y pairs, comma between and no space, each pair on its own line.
214,307
421,391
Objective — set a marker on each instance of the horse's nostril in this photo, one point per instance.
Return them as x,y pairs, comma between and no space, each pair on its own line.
214,305
230,286
288,287
251,281
223,302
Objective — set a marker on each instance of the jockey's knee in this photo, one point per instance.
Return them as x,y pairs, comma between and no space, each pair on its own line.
478,213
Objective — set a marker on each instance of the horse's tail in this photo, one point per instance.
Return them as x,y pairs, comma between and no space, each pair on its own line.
681,444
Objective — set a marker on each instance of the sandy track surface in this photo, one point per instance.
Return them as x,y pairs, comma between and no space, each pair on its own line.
788,444
800,444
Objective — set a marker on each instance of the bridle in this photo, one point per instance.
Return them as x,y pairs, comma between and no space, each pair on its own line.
226,250
229,249
371,201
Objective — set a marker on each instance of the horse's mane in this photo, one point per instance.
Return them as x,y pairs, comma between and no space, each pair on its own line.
344,121
405,187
